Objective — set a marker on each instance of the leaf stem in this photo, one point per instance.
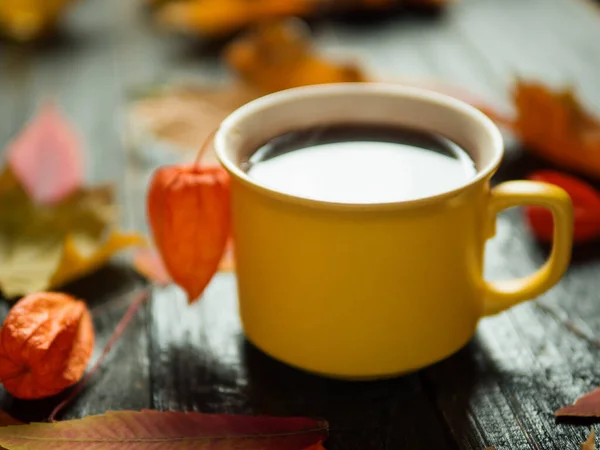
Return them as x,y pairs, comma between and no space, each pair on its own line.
137,302
204,148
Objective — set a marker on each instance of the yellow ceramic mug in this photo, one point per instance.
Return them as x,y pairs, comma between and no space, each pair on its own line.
374,290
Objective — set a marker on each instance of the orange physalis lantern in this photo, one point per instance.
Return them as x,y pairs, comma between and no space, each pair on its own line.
46,342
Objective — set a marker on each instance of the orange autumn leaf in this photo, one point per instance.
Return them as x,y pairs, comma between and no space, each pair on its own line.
8,420
28,20
188,212
217,18
553,125
46,340
280,55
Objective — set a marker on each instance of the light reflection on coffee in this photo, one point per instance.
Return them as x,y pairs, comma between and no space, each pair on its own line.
360,164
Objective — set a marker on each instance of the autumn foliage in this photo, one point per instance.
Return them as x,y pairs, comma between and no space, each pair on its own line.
46,342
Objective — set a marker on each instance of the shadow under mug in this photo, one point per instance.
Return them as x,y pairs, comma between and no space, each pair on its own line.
364,291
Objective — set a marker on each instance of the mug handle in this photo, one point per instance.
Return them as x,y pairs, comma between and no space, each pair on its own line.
500,295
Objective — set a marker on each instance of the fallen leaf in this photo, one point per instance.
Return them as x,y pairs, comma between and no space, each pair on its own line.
43,247
46,157
279,55
586,406
553,125
184,117
218,18
28,20
161,430
590,443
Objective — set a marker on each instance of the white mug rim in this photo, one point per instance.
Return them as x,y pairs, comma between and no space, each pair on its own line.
229,125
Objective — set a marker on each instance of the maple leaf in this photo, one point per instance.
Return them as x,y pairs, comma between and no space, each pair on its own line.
43,246
173,430
279,55
28,20
553,125
585,406
46,157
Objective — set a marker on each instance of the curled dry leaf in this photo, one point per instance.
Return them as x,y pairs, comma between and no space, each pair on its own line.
173,430
279,55
43,246
47,340
28,20
553,125
586,406
46,157
188,212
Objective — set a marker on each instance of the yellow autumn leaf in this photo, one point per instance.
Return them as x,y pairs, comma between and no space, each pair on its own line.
24,20
43,247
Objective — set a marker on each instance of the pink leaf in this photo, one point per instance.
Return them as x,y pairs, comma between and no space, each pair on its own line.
46,157
154,430
586,406
148,263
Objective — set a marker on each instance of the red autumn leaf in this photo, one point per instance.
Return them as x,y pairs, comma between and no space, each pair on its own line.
154,430
46,157
586,207
586,406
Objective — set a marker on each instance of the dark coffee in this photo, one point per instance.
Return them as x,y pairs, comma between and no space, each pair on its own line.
360,164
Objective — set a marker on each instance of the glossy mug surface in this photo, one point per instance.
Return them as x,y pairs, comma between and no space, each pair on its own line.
374,290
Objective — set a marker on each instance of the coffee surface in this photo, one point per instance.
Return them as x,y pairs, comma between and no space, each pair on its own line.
360,164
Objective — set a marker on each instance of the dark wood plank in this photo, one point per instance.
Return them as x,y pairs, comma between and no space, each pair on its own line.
201,362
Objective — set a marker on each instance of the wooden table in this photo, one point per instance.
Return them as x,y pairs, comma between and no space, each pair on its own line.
500,390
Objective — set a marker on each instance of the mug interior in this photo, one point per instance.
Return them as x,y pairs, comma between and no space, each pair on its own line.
261,120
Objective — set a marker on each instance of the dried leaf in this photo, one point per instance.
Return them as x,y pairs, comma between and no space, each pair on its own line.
218,18
590,443
46,157
42,247
188,212
279,55
553,125
586,406
28,20
184,117
166,430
